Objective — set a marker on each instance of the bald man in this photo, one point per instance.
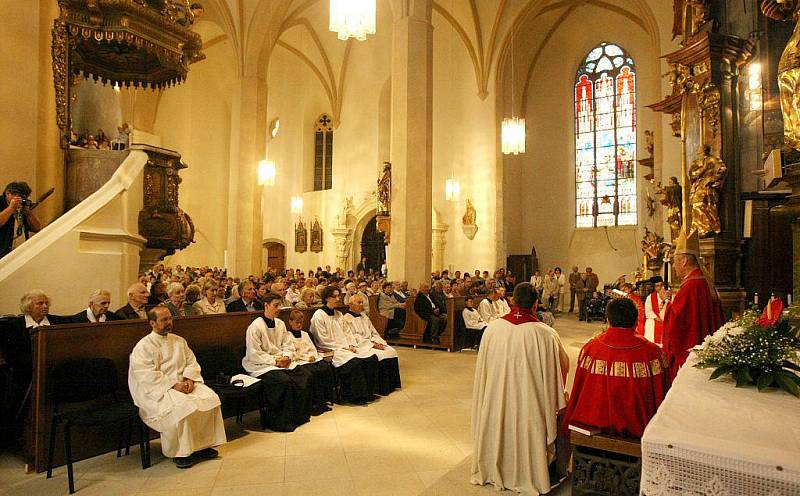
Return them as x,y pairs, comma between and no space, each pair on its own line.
137,299
97,311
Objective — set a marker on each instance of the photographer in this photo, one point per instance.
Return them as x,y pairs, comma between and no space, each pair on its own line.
16,216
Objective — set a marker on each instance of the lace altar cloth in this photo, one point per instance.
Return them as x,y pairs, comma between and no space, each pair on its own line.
710,438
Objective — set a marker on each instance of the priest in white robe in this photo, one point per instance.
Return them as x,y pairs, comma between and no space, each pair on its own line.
358,375
358,326
519,385
165,383
269,356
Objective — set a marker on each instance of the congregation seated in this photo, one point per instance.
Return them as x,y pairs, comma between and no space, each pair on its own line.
357,374
138,297
213,301
621,366
247,302
165,383
435,319
389,307
158,294
176,302
270,356
363,335
97,311
308,298
279,289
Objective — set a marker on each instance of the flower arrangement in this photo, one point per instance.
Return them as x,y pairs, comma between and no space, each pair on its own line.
761,350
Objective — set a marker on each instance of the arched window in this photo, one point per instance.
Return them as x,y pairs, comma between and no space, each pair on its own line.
323,153
605,139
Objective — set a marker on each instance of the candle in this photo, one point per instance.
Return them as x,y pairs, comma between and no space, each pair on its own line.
755,299
789,299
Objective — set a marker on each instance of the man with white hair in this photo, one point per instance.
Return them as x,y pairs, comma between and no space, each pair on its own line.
97,311
165,383
137,300
359,329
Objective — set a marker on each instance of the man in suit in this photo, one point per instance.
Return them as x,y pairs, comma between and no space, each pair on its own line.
399,295
16,351
97,311
137,301
426,309
248,301
574,279
390,308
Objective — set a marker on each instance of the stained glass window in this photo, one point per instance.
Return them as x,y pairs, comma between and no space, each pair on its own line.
605,139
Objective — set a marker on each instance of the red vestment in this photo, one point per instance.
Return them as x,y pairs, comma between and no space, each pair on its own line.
693,314
620,380
640,308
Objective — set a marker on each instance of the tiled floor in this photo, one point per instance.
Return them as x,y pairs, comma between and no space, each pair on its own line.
414,442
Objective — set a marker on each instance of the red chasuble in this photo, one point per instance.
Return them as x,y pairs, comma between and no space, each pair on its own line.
693,314
620,381
640,308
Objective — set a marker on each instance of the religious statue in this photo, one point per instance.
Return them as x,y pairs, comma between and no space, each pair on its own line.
316,236
696,16
469,225
300,236
347,211
788,69
654,249
648,140
672,198
651,205
707,174
385,190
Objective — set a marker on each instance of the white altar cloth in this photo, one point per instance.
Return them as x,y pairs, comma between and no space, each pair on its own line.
710,438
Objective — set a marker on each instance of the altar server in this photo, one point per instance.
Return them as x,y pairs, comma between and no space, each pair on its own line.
655,308
365,337
620,378
308,358
474,324
487,308
358,376
518,356
165,383
695,312
270,349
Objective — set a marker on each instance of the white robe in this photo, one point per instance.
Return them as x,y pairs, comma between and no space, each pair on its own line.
487,310
304,349
328,333
187,422
517,393
650,314
473,319
265,345
501,307
365,335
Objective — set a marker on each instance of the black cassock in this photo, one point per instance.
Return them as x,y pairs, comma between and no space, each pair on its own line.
358,379
288,395
323,383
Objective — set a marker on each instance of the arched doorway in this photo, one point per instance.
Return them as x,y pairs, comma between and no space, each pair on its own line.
276,255
373,245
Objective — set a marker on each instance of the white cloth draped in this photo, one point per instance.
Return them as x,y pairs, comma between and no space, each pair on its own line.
187,422
304,349
473,319
366,335
517,393
265,345
328,333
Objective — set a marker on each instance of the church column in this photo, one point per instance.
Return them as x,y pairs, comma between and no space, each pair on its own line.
409,254
248,142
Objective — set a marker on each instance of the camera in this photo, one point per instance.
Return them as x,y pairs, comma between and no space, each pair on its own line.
27,202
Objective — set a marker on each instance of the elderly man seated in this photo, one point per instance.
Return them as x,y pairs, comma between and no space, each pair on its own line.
427,310
137,300
363,335
165,383
247,301
98,309
621,378
176,303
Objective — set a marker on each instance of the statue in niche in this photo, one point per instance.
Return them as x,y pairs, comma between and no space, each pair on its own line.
672,198
385,190
347,211
300,236
707,175
469,225
648,140
654,248
316,236
788,69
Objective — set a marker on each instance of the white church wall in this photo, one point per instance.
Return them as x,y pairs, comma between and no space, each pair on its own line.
194,119
546,218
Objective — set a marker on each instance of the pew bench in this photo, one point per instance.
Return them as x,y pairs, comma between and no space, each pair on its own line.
605,465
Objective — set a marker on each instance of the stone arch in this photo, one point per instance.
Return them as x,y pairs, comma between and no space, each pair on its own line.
363,215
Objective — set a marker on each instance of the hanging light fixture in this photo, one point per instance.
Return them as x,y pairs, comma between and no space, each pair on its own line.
452,189
297,205
352,18
512,133
266,173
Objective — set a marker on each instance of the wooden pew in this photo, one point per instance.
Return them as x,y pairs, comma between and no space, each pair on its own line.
115,340
605,465
379,321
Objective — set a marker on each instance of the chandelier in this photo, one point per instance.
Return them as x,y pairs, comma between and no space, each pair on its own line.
513,135
352,18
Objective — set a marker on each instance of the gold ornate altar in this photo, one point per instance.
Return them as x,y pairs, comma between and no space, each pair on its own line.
702,105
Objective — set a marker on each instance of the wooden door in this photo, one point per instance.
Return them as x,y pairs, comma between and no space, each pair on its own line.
276,256
373,245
